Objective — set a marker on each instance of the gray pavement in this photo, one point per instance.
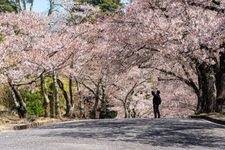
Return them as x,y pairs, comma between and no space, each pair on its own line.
133,134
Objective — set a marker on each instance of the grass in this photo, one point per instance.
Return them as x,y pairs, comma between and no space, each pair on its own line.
217,116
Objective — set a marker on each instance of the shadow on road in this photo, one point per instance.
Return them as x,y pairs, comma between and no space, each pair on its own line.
161,132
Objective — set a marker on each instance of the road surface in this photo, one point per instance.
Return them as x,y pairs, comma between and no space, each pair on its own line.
133,134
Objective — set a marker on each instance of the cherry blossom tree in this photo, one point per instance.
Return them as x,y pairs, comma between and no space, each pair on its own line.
129,86
15,69
181,39
96,80
34,46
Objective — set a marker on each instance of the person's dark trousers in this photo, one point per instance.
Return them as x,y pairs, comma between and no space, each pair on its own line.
156,111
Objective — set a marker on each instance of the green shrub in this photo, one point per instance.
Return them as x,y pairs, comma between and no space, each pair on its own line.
6,100
1,38
109,114
106,6
6,8
34,103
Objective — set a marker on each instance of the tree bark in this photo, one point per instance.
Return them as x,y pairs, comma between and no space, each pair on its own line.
104,104
125,110
18,6
31,5
18,100
97,99
65,95
81,101
96,92
220,91
24,4
45,96
207,89
71,96
17,105
51,7
55,95
220,82
95,108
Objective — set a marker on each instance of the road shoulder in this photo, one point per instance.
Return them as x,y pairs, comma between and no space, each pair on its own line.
213,117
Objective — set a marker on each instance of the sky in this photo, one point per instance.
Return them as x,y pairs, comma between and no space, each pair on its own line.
41,6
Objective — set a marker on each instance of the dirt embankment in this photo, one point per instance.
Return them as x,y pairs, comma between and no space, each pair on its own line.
11,121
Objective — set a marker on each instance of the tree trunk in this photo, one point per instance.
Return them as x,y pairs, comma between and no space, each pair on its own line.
126,106
31,5
81,105
55,95
104,113
71,96
220,91
104,104
17,105
220,83
128,110
51,7
18,6
19,102
95,108
81,101
97,94
45,96
68,105
52,105
24,4
125,110
207,91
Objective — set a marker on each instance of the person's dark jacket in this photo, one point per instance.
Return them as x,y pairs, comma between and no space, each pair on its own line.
156,100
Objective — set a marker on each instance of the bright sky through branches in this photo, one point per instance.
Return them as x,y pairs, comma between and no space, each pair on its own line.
42,6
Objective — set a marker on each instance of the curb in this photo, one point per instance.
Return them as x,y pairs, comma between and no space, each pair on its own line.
222,122
28,125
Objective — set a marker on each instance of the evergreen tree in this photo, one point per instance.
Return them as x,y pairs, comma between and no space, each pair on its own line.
6,6
106,6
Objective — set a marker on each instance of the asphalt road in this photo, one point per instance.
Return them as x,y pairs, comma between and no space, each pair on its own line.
134,134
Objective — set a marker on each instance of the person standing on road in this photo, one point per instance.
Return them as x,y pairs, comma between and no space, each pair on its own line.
156,103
